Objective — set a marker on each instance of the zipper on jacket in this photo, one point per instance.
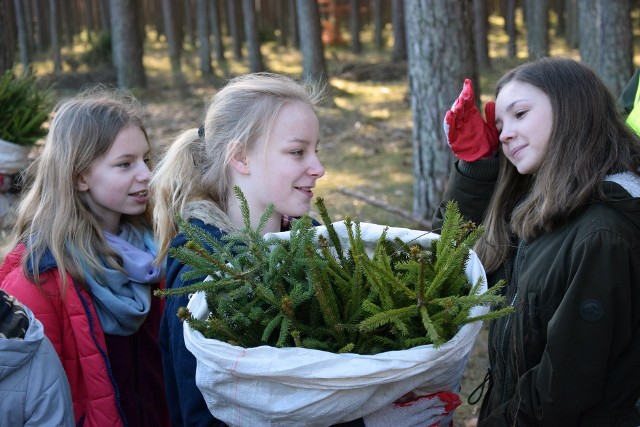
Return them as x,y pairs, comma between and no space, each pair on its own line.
507,325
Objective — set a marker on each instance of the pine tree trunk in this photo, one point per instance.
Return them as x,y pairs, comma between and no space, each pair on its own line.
313,62
606,25
251,33
354,26
294,33
399,52
537,18
480,31
23,40
214,21
204,49
7,37
441,56
127,43
173,44
54,38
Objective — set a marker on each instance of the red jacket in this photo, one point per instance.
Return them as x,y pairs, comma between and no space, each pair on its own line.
72,325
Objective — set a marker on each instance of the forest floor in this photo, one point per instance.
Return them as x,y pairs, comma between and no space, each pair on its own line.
366,134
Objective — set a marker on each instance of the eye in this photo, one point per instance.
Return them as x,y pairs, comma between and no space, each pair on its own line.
298,153
521,114
124,165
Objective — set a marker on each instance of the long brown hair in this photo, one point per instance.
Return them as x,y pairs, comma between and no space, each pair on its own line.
589,140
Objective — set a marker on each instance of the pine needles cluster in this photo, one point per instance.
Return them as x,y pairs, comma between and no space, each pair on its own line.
310,291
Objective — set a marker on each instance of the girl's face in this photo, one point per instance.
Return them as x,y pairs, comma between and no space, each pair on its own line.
524,118
117,182
285,170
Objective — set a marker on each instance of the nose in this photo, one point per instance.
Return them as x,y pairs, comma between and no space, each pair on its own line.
507,134
144,173
315,168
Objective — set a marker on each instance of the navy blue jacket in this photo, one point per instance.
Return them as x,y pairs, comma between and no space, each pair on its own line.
187,407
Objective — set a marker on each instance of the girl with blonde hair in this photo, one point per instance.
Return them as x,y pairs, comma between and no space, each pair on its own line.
81,254
261,134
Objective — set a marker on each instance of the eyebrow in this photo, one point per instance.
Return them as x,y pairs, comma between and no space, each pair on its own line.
131,155
511,105
302,141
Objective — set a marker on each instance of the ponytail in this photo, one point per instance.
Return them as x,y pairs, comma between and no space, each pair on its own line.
175,182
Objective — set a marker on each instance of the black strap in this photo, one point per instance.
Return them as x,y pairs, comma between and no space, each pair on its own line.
479,389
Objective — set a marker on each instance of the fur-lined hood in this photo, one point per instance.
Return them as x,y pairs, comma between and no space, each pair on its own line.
210,213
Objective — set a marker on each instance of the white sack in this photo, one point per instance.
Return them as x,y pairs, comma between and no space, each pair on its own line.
268,386
14,158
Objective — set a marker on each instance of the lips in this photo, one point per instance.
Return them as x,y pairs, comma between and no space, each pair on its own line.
306,190
517,150
141,193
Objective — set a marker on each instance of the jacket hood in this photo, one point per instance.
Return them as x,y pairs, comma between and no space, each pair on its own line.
15,353
209,213
623,190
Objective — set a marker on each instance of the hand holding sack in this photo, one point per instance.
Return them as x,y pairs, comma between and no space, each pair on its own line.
431,410
468,135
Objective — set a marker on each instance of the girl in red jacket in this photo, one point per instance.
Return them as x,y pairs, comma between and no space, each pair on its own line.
80,256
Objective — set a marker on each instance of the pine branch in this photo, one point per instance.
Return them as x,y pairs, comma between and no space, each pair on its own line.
312,291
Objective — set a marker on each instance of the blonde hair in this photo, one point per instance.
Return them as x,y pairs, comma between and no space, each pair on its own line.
237,118
51,215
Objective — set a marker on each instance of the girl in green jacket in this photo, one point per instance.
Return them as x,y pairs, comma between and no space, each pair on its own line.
553,176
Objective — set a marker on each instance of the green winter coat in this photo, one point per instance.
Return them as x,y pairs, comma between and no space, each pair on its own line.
570,353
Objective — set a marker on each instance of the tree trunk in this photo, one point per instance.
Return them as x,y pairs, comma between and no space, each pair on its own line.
87,16
23,39
188,22
294,33
606,25
204,49
105,20
480,32
7,36
251,33
55,39
399,52
281,23
234,32
28,24
354,26
510,27
376,8
572,35
127,43
214,21
537,18
39,38
314,66
173,44
441,56
561,25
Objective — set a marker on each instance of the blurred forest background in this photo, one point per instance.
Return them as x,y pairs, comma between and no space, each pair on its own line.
393,68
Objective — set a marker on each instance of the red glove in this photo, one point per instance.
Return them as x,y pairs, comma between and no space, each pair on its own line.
468,135
431,410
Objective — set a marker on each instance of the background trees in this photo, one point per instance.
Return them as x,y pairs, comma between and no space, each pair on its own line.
63,37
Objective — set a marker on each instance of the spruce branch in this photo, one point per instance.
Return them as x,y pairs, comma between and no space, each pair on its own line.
316,292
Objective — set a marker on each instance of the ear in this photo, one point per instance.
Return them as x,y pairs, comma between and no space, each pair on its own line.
239,163
81,183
